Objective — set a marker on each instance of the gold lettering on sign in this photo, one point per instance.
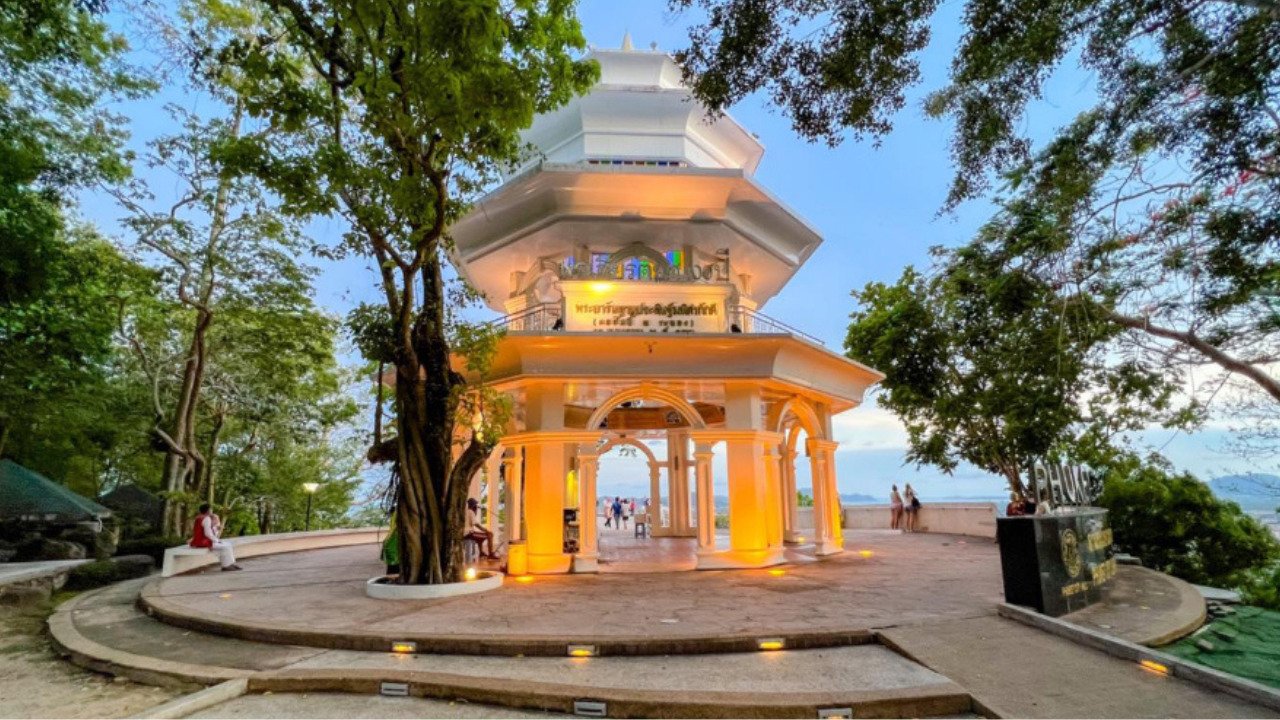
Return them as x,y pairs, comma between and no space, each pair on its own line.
661,310
1100,540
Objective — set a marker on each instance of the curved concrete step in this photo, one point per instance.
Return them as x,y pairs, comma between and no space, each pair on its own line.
105,630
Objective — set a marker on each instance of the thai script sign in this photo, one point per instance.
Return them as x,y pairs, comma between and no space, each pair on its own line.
646,317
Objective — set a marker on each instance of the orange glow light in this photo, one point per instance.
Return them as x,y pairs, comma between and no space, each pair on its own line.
865,553
601,287
525,579
470,574
582,651
404,646
777,572
771,644
1154,667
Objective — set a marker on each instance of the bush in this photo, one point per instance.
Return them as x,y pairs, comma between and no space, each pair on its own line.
104,572
1176,525
1263,588
153,545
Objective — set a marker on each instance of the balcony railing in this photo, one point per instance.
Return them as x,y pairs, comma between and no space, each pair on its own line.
548,317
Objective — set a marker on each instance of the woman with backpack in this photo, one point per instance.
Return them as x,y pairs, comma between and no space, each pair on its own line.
912,508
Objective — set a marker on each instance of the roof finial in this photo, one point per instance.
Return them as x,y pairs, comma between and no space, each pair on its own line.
626,42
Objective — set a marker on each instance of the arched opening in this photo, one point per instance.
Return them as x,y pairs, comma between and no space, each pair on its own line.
798,422
643,501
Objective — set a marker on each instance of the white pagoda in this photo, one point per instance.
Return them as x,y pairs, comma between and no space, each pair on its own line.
631,256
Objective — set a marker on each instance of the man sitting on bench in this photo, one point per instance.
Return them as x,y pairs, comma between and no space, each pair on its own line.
477,532
207,533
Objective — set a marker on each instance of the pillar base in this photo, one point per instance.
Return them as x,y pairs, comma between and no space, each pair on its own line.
794,537
550,564
584,563
739,559
828,547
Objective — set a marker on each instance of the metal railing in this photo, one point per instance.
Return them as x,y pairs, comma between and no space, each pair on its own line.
548,317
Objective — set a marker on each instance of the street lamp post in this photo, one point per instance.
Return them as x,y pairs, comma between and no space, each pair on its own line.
310,489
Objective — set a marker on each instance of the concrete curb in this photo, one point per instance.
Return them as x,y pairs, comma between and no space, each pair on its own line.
160,608
940,699
1247,690
197,701
146,670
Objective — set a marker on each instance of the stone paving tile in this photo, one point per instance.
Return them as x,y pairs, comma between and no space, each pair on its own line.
1020,671
907,579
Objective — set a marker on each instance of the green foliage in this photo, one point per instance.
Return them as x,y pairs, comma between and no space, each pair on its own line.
984,364
394,115
1263,587
1174,524
151,545
57,63
102,572
804,499
1154,213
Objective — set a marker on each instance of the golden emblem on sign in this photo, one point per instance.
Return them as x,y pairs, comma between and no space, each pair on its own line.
1071,553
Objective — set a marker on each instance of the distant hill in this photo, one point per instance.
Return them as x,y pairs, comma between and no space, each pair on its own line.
1253,491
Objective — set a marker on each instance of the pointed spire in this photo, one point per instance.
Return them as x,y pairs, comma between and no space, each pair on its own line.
626,42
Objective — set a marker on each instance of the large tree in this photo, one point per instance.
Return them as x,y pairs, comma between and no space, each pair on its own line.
983,366
1156,211
219,242
393,114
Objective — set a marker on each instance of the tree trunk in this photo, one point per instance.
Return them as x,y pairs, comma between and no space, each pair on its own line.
431,497
211,454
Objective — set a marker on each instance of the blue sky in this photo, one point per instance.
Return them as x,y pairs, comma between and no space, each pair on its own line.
876,207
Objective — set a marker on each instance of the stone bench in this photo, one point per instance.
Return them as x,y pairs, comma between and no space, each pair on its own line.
184,558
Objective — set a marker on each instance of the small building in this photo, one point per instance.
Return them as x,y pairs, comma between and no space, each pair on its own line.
631,258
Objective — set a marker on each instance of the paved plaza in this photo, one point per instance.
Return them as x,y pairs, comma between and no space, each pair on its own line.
317,598
899,626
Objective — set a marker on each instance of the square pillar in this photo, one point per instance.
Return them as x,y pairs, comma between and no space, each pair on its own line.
748,506
544,471
772,495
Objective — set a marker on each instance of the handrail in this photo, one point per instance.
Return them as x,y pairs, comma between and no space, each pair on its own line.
547,317
772,325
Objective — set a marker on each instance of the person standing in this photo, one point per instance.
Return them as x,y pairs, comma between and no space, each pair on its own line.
207,533
608,512
617,513
895,509
911,507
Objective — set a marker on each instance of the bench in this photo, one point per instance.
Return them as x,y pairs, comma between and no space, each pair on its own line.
184,558
642,525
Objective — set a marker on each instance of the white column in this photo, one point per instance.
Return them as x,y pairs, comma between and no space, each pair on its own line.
821,523
706,499
791,532
589,553
655,490
493,484
515,477
833,492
